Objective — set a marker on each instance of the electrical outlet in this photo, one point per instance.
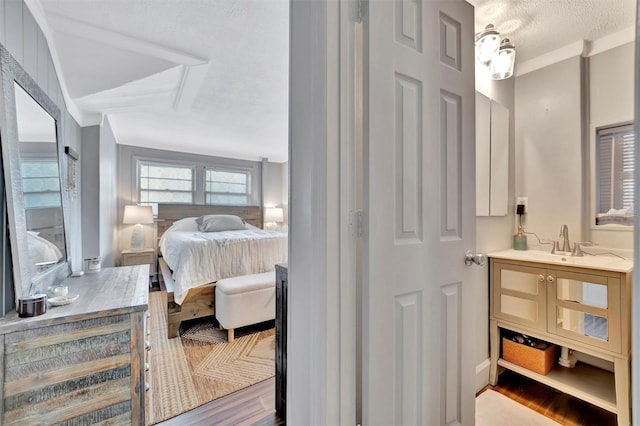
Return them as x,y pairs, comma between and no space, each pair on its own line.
525,201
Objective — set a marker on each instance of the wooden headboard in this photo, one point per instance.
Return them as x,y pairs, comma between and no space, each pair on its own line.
169,213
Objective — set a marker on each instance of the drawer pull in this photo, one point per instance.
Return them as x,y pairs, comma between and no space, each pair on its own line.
146,366
541,278
147,345
147,386
550,279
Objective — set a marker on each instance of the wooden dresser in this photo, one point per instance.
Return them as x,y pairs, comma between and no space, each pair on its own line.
81,363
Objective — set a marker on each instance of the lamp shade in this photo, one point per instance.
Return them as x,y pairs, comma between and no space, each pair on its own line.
137,214
273,214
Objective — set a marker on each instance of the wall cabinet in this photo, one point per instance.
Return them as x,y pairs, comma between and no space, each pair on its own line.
583,309
492,157
81,363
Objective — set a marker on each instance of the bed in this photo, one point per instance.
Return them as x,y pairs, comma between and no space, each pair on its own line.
190,261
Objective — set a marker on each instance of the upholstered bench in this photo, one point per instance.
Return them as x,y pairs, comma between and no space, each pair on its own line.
245,300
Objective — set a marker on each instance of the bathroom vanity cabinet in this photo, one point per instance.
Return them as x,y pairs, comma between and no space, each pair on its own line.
81,363
578,303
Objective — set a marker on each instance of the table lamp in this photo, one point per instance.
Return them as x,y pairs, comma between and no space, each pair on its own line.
273,215
137,215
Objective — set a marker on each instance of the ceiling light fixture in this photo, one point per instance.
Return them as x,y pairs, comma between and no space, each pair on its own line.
498,56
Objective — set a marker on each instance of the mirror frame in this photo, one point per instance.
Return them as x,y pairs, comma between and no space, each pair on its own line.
25,284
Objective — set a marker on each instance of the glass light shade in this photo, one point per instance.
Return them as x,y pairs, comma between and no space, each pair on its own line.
503,61
487,43
273,214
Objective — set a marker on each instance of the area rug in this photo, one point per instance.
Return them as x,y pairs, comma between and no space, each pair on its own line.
495,409
201,366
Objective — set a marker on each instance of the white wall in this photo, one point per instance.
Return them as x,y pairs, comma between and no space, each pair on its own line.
611,102
548,147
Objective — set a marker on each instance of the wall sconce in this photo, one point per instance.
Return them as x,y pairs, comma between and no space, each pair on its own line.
273,216
137,215
498,56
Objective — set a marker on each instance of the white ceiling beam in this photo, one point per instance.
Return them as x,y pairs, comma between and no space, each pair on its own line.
192,79
121,41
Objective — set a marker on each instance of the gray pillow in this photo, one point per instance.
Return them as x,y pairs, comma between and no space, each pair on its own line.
220,222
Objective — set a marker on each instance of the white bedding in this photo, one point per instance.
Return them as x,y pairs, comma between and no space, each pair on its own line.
198,258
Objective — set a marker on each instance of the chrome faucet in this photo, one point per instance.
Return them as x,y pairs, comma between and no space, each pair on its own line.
564,233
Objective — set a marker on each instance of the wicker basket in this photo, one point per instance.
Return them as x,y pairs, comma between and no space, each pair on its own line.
537,360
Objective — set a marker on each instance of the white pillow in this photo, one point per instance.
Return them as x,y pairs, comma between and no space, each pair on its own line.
220,222
188,224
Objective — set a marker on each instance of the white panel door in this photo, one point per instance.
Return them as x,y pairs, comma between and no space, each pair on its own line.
420,203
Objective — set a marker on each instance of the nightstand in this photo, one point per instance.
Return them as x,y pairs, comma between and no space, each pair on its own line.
140,257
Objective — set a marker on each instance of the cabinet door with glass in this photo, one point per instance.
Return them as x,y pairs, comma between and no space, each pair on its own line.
585,308
519,294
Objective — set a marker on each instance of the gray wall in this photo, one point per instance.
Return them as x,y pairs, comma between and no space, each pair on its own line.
23,38
549,160
611,101
99,195
90,192
108,195
494,233
126,180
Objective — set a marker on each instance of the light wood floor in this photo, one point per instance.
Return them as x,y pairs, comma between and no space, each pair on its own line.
254,405
250,406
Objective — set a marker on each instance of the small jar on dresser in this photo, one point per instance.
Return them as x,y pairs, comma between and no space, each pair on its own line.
83,362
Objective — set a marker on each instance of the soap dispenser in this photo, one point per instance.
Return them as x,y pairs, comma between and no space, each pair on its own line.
520,239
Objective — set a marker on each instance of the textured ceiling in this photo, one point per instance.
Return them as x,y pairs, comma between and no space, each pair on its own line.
211,76
540,26
108,52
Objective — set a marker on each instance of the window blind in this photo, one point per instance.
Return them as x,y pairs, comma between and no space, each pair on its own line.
164,183
227,187
615,166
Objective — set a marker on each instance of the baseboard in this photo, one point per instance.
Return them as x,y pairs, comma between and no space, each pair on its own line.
482,374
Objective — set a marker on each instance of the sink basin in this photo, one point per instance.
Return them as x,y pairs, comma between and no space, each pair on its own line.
602,262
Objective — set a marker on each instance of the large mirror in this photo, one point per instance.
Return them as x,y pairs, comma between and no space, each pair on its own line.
30,135
40,172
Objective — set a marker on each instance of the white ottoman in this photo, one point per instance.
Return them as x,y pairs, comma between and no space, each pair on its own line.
245,300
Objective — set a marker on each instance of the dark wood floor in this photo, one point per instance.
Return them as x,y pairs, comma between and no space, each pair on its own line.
254,405
551,403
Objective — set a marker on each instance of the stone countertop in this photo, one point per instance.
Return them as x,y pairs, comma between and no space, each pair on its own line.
596,262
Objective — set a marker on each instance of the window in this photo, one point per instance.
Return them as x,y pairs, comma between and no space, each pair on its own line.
164,183
40,183
227,187
615,165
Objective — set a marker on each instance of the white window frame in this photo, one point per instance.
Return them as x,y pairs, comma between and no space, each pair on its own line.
594,184
246,172
140,161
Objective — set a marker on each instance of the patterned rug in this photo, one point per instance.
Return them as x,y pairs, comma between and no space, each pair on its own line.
201,366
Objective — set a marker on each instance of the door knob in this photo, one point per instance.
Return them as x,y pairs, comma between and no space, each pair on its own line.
478,259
